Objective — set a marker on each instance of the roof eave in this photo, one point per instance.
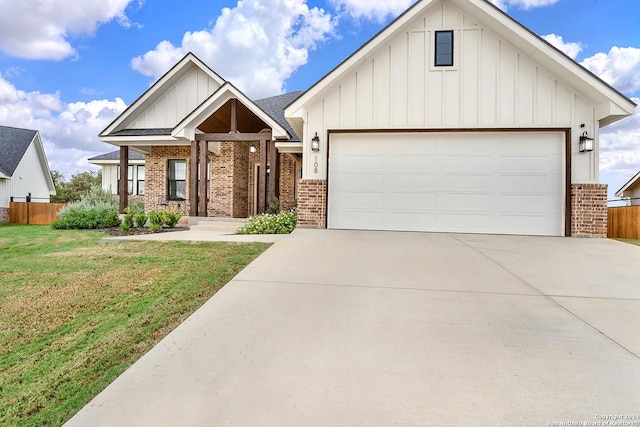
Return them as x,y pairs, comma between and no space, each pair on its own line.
629,184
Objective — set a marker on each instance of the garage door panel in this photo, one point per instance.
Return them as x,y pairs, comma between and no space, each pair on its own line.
424,201
504,183
413,164
528,184
467,183
464,164
539,164
408,182
359,200
353,182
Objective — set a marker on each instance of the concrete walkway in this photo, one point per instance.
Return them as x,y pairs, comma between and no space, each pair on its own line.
345,328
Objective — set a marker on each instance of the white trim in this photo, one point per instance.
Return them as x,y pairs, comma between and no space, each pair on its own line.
620,192
289,147
186,129
176,71
115,162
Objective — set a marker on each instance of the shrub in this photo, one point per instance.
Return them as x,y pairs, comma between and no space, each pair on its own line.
170,218
95,198
127,220
140,219
87,219
282,223
155,220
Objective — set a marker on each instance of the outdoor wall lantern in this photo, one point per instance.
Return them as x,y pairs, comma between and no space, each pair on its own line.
586,143
252,149
315,143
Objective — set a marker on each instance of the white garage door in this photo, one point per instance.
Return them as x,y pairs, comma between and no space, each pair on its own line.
498,183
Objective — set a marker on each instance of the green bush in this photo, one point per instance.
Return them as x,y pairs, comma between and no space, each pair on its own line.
87,219
140,219
96,198
282,223
170,218
127,220
155,220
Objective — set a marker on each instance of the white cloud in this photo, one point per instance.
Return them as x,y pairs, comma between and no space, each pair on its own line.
69,131
522,4
620,68
256,45
40,29
375,10
571,49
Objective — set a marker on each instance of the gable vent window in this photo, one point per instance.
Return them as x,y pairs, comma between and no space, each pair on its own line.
444,49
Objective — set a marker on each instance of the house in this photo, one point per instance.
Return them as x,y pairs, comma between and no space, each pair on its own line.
454,118
24,169
631,191
110,164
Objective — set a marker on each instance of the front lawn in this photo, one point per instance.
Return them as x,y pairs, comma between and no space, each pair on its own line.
75,313
631,241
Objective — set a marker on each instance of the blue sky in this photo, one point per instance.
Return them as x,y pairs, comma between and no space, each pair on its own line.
67,68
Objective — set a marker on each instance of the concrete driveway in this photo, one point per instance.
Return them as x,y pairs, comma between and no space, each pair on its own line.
347,328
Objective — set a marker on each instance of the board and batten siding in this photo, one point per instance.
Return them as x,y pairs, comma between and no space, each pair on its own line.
27,178
178,101
491,85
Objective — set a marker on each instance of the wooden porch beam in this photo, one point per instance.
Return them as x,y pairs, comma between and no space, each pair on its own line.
202,198
273,171
262,179
193,180
230,137
234,115
124,178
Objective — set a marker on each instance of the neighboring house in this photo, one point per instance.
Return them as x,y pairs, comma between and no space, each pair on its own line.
631,191
110,163
24,169
454,118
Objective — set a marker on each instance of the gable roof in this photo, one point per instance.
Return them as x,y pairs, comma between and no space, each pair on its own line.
171,76
611,104
13,144
629,184
186,127
115,156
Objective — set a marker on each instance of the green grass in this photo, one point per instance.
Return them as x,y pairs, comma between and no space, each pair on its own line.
631,241
75,312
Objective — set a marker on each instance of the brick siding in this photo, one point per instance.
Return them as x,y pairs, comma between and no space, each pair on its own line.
156,184
589,210
287,182
312,203
4,215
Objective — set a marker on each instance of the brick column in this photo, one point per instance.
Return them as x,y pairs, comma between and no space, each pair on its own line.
312,203
589,210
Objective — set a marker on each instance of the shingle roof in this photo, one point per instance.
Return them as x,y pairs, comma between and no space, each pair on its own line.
274,107
13,144
142,132
115,155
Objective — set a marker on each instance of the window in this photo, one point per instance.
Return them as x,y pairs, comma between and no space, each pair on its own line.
177,183
444,49
129,180
141,180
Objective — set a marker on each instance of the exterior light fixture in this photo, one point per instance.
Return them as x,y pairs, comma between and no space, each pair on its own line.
252,149
586,143
315,143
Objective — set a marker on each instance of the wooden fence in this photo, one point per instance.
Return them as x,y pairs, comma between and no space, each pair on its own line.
34,213
624,222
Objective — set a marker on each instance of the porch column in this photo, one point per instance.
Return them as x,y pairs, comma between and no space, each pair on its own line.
202,198
124,178
262,181
273,169
193,180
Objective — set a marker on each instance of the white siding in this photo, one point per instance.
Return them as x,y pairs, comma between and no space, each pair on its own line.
491,85
27,178
178,101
